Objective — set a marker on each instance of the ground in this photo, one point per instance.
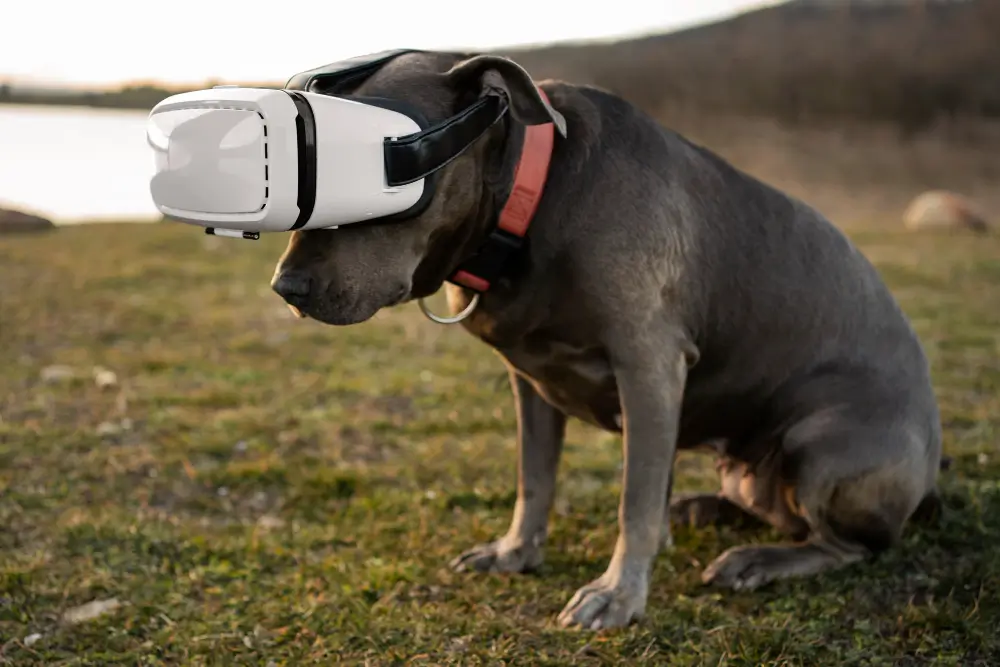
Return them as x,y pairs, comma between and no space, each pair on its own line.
256,489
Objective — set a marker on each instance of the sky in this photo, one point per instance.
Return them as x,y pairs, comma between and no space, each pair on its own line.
108,42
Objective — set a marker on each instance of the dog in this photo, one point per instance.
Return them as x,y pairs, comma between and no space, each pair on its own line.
666,296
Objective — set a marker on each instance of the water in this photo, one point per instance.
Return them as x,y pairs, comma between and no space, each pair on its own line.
73,164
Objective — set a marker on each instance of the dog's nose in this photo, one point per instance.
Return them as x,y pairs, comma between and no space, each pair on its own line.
292,286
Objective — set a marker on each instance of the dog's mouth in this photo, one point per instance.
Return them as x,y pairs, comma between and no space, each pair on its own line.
333,313
345,310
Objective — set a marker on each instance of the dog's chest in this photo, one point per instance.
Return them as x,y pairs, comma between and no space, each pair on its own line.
575,379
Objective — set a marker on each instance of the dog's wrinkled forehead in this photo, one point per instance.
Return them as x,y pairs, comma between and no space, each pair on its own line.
416,78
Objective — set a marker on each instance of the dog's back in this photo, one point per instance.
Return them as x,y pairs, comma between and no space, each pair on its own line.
775,295
791,299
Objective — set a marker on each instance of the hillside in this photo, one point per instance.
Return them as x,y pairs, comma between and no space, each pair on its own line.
909,62
806,61
855,106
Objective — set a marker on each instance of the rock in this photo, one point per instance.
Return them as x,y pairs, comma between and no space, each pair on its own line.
104,378
940,209
57,373
105,429
110,428
90,611
270,522
12,222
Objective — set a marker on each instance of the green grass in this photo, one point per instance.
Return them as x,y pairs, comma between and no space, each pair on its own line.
280,492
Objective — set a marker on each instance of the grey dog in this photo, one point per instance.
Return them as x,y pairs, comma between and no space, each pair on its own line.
667,296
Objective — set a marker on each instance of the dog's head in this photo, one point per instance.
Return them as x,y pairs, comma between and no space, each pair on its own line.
346,275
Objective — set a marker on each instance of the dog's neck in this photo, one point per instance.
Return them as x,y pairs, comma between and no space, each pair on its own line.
524,194
487,247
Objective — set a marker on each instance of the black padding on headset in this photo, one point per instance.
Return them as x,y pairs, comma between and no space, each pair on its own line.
305,137
418,155
344,74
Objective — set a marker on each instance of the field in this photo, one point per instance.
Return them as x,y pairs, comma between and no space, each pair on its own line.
255,489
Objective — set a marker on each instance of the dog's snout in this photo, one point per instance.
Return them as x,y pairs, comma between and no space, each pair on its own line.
292,286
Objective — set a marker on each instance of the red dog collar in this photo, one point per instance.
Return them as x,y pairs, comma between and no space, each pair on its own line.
530,175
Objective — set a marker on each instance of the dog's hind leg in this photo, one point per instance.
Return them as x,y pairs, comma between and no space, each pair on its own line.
698,510
750,496
854,483
747,567
540,433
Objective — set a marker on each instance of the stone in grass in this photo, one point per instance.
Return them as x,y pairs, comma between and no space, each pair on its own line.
90,611
939,209
57,373
104,378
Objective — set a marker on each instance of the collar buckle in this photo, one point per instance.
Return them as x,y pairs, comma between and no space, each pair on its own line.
481,270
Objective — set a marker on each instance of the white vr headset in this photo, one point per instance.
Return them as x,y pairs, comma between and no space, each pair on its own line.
240,161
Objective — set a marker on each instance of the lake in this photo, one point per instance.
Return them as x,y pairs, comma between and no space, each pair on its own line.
73,164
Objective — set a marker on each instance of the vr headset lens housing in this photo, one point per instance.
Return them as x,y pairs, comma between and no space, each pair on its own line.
252,159
248,160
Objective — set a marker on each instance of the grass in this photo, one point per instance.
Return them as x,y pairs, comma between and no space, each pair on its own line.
266,491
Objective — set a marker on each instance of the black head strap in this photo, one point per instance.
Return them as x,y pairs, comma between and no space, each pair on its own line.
417,155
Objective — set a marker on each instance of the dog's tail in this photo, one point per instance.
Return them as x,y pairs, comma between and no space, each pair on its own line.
929,509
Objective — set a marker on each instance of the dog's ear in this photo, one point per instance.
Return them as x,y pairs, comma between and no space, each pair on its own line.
526,102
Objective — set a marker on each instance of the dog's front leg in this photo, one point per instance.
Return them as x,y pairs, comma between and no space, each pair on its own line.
650,384
540,432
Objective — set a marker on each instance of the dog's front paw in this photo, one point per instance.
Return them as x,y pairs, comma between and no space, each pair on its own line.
602,604
500,556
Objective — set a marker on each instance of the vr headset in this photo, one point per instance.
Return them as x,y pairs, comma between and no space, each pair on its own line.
240,161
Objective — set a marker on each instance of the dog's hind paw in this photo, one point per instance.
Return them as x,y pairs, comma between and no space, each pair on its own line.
499,556
741,568
747,567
